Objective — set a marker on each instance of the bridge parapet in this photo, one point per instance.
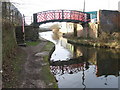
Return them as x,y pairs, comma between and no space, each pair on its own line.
61,16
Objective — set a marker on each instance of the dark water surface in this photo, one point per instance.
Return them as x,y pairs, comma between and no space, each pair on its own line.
82,67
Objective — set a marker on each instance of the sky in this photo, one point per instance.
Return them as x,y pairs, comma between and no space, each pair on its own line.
28,7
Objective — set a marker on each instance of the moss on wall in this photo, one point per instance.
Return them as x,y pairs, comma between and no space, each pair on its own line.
31,34
8,36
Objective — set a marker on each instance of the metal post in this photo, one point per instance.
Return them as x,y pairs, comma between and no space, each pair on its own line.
12,16
31,19
54,14
23,27
4,9
84,6
9,11
86,25
75,30
45,17
70,14
62,14
34,19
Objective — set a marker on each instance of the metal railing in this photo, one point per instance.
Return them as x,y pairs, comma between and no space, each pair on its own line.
61,15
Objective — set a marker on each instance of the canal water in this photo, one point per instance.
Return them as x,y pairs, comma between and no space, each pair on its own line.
76,66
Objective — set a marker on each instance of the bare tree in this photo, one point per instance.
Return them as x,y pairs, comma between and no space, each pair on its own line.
55,28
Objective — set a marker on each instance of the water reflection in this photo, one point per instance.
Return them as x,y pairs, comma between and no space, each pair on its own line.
84,67
96,65
61,53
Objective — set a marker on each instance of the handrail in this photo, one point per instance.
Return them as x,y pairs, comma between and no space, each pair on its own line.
54,15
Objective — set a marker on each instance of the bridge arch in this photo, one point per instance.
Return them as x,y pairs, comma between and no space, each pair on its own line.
61,16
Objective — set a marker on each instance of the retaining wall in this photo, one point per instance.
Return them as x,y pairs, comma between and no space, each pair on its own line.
31,34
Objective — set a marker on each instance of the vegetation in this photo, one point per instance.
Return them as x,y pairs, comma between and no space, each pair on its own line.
108,37
106,40
48,47
55,26
32,43
12,68
8,37
9,56
46,74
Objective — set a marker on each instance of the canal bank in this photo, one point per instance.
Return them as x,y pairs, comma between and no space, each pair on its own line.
31,67
36,72
95,43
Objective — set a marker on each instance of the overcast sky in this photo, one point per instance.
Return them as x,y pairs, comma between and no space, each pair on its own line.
28,7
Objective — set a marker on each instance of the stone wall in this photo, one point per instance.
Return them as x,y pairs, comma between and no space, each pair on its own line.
82,32
19,35
93,30
31,34
88,31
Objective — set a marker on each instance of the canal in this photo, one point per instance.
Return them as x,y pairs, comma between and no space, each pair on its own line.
76,66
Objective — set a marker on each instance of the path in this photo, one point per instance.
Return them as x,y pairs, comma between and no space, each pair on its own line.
31,76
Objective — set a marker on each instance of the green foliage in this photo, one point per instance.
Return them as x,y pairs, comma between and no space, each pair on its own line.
31,33
46,73
8,38
32,43
48,47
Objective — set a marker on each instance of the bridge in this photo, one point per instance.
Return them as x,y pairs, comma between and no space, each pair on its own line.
61,16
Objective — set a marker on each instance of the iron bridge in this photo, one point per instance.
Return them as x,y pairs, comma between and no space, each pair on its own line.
61,16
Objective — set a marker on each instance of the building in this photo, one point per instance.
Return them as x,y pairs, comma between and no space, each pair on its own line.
66,27
93,16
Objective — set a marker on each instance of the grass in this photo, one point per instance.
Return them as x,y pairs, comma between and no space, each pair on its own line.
48,47
48,77
32,43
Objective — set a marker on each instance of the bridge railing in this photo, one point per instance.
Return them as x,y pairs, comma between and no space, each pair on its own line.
61,15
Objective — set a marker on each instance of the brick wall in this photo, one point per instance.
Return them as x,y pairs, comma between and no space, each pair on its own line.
109,21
